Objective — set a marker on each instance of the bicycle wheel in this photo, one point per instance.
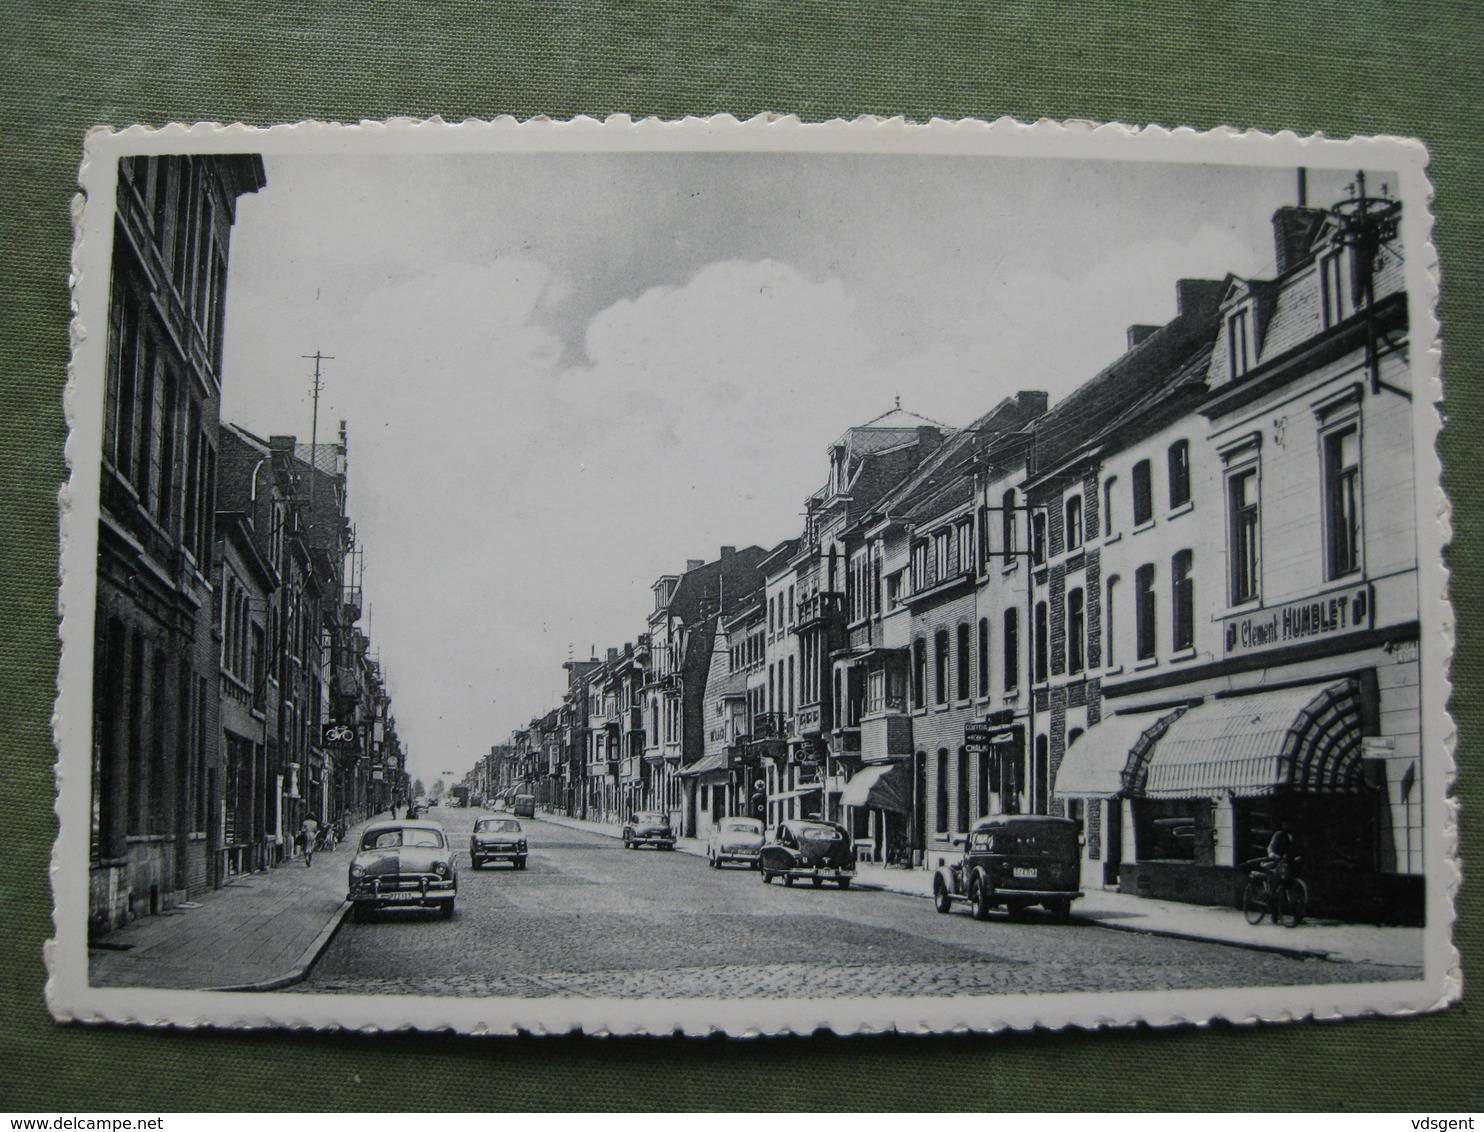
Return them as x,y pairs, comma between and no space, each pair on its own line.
1255,900
1293,903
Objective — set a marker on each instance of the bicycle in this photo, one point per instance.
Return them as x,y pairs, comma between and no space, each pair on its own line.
1273,890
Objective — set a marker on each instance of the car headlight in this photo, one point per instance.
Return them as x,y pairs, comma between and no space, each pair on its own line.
357,870
441,869
522,844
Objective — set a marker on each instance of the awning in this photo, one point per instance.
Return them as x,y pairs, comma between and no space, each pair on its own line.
799,793
707,764
881,787
1304,739
1093,766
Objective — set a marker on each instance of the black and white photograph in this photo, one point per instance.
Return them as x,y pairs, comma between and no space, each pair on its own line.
752,577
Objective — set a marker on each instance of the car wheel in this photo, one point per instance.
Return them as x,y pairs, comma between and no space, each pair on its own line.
844,883
819,882
628,841
1060,909
445,910
941,901
520,863
756,865
767,876
361,913
788,880
981,899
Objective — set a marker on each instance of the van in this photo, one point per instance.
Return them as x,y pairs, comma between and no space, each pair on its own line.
524,806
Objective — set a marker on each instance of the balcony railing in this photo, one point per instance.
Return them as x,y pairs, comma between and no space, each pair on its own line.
823,606
770,725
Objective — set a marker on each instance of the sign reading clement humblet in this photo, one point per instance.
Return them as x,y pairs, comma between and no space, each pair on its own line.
1329,614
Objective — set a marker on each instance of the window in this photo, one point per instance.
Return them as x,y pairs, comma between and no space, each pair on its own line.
1239,344
1110,636
919,673
1143,494
940,555
1076,632
940,664
1182,594
1242,504
984,656
1333,295
942,815
1011,647
1043,775
790,606
919,566
1007,525
965,540
1038,537
963,790
1144,612
790,685
1042,631
963,661
1110,528
1342,501
1074,522
894,589
1179,460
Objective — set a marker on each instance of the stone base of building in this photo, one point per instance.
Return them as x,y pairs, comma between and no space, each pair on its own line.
1355,897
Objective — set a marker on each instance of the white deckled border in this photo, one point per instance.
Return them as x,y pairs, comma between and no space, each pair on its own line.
69,996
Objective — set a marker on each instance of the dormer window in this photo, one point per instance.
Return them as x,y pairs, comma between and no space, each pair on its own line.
1240,341
1334,295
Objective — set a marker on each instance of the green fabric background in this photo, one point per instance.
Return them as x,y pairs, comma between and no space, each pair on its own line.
1338,66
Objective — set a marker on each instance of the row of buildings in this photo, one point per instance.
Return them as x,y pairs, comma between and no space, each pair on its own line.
234,692
1180,606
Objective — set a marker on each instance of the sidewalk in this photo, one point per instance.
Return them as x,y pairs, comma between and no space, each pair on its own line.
1118,911
259,931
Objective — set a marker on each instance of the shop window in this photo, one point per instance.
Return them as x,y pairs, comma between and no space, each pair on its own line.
1169,829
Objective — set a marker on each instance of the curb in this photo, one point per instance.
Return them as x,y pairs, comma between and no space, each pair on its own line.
300,971
1092,921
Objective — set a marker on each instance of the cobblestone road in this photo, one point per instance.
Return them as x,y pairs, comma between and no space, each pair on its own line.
589,919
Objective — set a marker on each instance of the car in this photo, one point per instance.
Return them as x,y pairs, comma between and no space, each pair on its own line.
735,840
524,806
1013,861
419,809
648,827
497,839
400,864
810,849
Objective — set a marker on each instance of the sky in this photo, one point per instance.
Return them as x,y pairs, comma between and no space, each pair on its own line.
564,375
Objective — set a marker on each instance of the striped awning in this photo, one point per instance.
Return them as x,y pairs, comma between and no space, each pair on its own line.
1094,765
707,764
1304,739
885,787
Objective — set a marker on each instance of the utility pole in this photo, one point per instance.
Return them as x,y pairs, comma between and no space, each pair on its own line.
316,389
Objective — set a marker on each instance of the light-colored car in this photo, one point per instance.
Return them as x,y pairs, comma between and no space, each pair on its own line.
403,864
497,839
735,841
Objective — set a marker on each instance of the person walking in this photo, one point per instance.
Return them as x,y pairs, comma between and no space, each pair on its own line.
307,833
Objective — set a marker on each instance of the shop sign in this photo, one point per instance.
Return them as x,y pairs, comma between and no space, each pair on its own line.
1333,613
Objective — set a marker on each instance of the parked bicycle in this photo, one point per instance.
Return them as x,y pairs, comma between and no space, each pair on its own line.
1274,890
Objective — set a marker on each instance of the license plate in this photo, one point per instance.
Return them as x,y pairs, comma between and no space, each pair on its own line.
1029,874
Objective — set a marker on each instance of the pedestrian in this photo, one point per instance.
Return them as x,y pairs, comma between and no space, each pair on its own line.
307,833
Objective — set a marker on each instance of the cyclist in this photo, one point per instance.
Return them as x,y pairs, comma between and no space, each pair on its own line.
1283,854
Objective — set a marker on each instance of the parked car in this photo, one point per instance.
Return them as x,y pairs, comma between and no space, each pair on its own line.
812,849
735,840
648,827
1013,861
497,839
403,864
524,806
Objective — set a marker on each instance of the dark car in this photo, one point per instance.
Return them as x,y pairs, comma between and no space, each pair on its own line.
403,864
813,849
648,827
524,806
497,839
1013,862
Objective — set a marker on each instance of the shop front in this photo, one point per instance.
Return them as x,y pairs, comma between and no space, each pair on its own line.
876,806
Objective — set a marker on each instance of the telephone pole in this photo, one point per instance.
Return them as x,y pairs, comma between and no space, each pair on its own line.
316,389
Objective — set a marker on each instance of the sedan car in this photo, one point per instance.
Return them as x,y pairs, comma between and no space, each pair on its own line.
403,864
1013,861
497,839
735,840
648,827
812,849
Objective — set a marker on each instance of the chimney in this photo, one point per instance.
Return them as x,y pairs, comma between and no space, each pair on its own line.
694,564
277,444
1138,332
1294,228
1197,298
728,551
612,655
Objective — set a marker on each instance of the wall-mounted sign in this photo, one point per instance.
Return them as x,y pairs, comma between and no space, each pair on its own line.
1330,614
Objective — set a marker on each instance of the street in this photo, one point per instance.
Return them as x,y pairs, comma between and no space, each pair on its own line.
589,919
